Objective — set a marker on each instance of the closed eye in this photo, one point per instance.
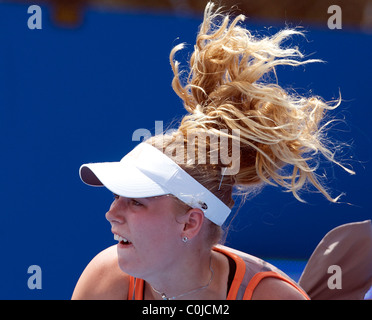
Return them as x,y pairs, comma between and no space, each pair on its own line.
130,201
135,203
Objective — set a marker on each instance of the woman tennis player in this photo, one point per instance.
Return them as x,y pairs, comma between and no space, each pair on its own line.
170,202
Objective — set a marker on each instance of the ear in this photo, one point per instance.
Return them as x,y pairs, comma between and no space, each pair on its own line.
192,221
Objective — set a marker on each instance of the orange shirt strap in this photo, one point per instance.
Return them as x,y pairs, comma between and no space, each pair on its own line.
239,273
138,290
135,290
131,288
262,275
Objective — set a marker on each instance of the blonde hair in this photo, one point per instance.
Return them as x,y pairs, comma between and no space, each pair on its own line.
226,89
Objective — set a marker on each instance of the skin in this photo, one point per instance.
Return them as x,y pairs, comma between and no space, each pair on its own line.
155,227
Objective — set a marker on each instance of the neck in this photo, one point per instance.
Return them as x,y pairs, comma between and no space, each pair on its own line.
187,293
190,277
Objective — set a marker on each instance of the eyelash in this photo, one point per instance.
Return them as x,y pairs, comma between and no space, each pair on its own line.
136,203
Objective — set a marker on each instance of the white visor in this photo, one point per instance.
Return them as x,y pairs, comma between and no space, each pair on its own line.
147,172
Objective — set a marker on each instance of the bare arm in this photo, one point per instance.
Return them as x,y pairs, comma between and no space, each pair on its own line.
276,289
102,279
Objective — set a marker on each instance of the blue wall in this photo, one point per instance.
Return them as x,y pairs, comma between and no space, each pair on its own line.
71,96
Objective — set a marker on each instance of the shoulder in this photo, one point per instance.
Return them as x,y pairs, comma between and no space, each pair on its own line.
102,279
272,288
271,284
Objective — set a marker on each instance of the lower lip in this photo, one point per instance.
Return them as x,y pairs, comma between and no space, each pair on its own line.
124,246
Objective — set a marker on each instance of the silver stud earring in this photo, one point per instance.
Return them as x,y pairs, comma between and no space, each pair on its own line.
185,239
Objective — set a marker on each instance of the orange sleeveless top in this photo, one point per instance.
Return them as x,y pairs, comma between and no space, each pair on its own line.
249,272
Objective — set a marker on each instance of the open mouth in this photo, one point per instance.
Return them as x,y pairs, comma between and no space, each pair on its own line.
123,241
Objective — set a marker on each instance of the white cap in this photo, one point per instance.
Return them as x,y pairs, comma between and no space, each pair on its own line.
147,172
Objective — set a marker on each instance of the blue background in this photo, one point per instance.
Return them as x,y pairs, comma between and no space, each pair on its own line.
71,96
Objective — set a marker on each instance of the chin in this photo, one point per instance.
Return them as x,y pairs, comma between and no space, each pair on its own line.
129,265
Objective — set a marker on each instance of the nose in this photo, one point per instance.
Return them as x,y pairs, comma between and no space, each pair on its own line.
116,212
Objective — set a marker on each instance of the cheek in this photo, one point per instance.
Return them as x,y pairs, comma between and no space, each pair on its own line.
160,235
155,242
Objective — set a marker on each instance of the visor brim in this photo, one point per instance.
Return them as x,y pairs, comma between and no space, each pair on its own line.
123,180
